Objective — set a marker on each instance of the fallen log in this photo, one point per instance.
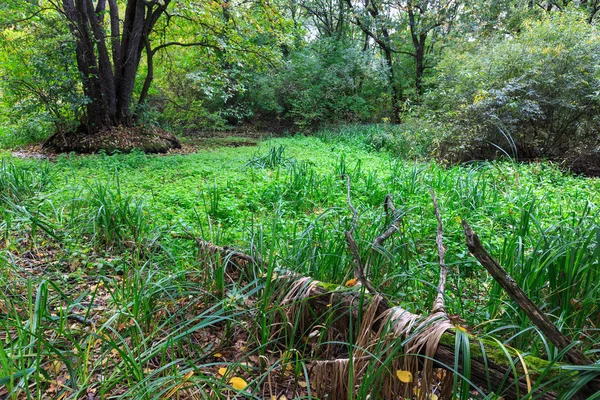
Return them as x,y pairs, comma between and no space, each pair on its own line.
426,342
535,314
491,370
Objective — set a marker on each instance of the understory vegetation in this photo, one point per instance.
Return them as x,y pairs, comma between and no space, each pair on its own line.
305,231
105,295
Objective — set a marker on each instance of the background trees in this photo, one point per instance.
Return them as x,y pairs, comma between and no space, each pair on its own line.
503,73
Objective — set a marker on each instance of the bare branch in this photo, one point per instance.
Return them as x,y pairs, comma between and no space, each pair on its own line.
388,206
535,314
359,270
438,304
192,44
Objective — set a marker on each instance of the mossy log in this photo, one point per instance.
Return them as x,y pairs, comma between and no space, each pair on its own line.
491,369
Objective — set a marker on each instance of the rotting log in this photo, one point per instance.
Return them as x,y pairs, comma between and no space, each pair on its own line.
491,372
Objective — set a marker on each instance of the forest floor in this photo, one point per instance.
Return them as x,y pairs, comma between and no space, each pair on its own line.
104,295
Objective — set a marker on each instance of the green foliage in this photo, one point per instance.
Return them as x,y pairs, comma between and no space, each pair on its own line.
18,184
409,140
532,95
117,219
331,81
39,85
106,258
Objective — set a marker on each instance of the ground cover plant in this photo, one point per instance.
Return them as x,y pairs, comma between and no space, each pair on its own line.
104,295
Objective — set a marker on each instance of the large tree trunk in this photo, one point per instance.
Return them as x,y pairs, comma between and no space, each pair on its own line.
395,91
109,83
419,39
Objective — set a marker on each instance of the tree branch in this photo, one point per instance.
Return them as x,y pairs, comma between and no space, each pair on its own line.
439,304
535,314
192,44
359,270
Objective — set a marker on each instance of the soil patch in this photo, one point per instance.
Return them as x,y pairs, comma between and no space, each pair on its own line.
117,139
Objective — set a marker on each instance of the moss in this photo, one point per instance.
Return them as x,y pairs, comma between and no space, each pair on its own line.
330,287
495,354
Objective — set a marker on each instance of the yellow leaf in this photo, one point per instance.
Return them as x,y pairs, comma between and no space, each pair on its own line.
217,355
222,371
302,384
179,385
238,383
55,367
404,376
351,282
433,396
460,328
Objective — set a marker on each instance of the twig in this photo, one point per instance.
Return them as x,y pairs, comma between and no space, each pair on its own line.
535,314
388,205
439,304
80,319
359,270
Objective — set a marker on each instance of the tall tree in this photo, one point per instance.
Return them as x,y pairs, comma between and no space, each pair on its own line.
428,20
374,19
108,60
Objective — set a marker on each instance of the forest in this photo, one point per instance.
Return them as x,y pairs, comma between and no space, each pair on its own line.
300,199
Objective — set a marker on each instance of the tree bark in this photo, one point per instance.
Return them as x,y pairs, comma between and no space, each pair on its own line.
109,83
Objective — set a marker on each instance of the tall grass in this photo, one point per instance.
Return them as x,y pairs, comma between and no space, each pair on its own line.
18,183
96,298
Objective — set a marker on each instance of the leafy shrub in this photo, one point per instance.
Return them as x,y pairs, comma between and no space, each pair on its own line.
330,82
38,81
532,95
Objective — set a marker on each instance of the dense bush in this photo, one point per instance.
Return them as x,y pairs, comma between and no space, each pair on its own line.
328,81
532,95
39,92
331,81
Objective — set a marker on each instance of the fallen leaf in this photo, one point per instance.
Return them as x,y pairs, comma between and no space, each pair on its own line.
238,383
302,384
461,328
217,355
222,371
55,367
404,376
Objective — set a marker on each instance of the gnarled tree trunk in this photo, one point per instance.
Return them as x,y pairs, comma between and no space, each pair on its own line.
108,75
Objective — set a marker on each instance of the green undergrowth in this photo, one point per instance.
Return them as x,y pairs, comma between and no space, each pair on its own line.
103,237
